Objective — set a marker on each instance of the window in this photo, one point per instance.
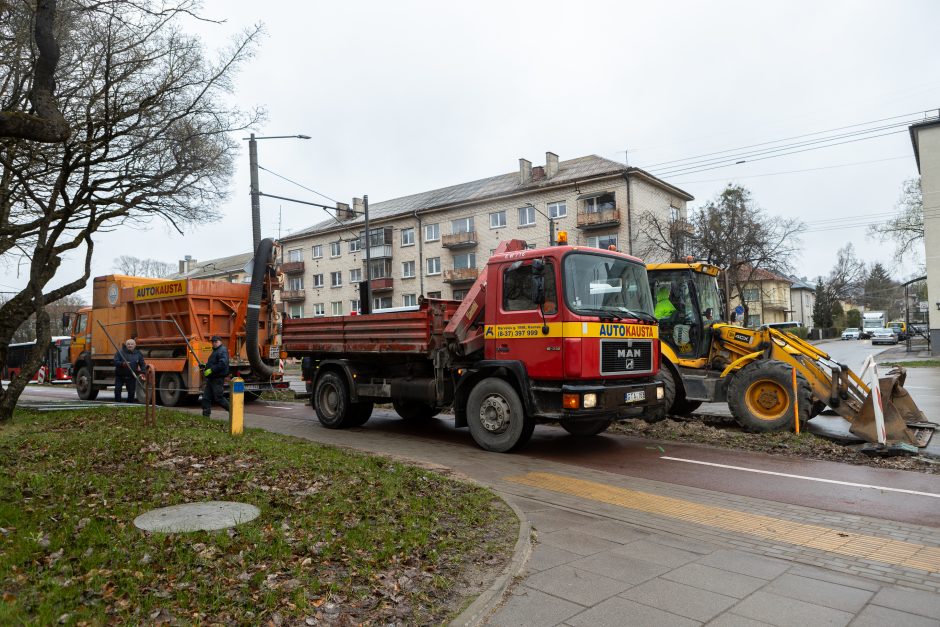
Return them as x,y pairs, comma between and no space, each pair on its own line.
753,320
355,275
354,305
81,324
408,269
409,300
603,202
674,213
380,268
434,294
382,302
295,283
408,237
751,295
460,294
318,251
557,209
296,311
432,232
434,265
603,241
526,216
497,219
335,250
517,288
462,225
318,280
355,245
336,278
337,307
467,260
295,255
318,309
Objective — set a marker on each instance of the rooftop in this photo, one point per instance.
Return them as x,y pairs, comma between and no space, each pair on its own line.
215,267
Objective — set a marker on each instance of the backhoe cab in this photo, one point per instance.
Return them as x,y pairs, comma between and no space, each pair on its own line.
706,359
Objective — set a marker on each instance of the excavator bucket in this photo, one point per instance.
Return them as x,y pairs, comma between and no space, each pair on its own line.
898,407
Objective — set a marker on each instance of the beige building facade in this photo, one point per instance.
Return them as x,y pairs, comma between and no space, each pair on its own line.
767,299
926,140
435,243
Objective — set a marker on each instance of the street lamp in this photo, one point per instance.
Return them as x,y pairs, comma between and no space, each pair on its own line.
255,192
551,223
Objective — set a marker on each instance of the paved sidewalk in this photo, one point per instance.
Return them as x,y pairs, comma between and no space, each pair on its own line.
616,550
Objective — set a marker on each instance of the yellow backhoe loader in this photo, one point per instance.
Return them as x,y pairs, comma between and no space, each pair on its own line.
705,359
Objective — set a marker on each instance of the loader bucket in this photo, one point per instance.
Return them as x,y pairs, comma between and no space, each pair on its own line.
898,407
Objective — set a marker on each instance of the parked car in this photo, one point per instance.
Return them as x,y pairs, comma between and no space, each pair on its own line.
883,336
852,333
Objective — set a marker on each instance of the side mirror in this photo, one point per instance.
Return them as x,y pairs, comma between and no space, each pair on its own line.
66,319
538,282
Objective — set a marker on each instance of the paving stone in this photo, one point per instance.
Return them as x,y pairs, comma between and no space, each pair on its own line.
822,574
579,586
533,608
913,601
877,616
715,580
546,556
614,531
554,519
652,551
729,619
687,543
620,567
745,563
617,612
820,592
784,612
577,542
529,505
680,599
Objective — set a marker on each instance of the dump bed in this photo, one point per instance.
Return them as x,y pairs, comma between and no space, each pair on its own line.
419,331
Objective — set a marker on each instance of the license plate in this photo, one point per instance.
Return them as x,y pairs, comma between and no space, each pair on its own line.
633,397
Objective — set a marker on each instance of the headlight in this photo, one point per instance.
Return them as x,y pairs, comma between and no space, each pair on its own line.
660,393
590,400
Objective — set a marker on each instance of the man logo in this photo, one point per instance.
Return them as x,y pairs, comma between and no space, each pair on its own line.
627,352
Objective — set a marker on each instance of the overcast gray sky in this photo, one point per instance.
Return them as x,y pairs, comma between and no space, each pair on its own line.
407,96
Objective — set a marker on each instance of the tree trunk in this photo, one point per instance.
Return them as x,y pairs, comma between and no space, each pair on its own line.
11,394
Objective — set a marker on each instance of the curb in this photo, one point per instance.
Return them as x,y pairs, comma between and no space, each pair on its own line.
491,598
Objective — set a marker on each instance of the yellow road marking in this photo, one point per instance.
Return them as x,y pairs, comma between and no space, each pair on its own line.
897,552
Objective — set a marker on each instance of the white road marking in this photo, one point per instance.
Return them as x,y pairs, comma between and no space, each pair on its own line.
278,406
783,474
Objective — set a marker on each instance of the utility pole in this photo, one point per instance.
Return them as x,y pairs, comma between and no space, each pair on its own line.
255,195
368,238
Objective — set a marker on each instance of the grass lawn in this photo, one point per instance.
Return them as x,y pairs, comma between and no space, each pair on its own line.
914,363
342,537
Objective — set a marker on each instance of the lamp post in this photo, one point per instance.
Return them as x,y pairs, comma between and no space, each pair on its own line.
255,192
551,223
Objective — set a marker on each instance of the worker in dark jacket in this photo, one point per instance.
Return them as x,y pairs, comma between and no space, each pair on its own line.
214,371
128,366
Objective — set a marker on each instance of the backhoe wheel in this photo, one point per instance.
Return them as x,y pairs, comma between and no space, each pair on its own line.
84,386
171,390
817,408
585,428
668,380
331,398
761,397
496,417
684,407
360,413
414,411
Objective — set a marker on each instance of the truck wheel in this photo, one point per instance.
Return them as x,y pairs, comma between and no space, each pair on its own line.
761,397
251,397
585,428
332,401
496,417
172,392
415,411
360,413
83,384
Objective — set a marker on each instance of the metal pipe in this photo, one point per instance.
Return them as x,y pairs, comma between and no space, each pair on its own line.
419,236
255,194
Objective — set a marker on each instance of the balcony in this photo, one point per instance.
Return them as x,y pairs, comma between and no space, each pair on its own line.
383,251
598,219
292,267
466,239
292,295
681,227
384,284
775,303
461,275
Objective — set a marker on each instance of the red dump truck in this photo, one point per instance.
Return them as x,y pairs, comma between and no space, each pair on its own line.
556,334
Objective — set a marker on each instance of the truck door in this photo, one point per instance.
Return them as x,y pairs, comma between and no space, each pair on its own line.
81,337
517,330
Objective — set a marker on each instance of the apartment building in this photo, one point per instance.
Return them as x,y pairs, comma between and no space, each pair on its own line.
232,269
435,243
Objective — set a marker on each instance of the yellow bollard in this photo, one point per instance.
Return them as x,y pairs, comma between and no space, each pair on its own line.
237,401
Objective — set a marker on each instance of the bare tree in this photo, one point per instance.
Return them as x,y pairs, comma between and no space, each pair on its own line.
67,304
133,266
907,229
151,139
847,279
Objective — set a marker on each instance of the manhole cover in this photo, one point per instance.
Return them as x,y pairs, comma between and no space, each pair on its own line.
206,516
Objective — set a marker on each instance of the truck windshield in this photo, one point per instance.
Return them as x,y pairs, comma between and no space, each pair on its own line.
597,284
709,298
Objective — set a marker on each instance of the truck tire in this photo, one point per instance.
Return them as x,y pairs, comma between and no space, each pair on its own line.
585,428
414,411
496,417
83,384
760,397
331,399
251,397
360,413
171,390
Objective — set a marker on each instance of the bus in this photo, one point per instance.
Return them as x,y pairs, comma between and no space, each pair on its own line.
55,364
